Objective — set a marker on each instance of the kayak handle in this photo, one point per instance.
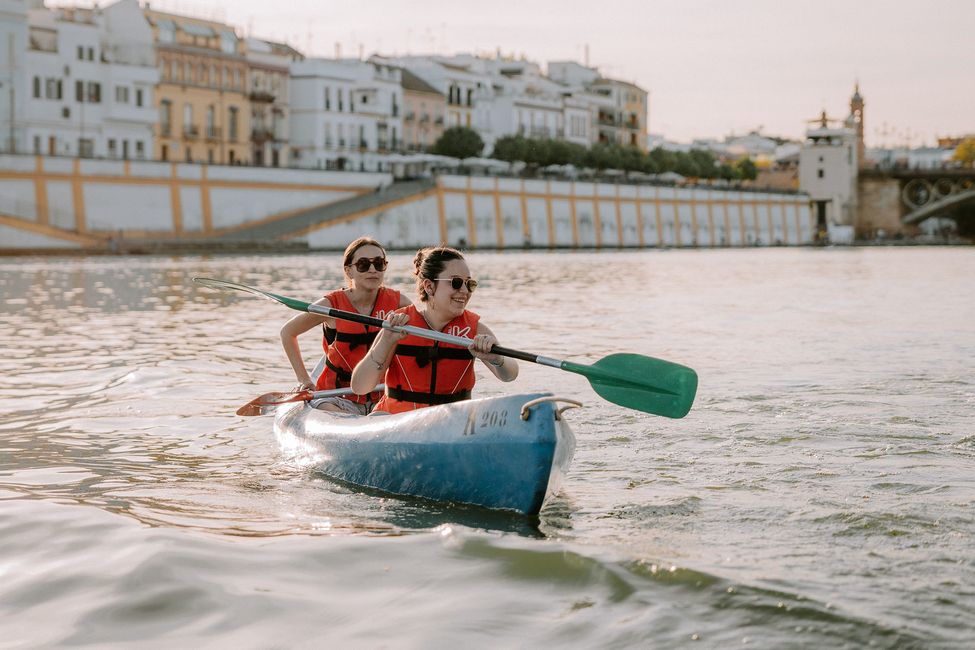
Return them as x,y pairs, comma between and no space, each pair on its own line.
569,404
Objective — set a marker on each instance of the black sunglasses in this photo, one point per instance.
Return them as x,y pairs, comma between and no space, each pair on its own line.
362,264
457,282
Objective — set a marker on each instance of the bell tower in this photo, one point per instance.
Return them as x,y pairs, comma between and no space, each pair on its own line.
856,117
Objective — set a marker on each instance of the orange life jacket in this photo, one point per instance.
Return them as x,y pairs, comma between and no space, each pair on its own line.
424,372
348,342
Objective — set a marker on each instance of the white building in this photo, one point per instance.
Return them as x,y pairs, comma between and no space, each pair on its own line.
828,173
90,79
345,114
13,71
522,102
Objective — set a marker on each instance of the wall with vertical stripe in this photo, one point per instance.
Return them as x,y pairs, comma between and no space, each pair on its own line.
508,213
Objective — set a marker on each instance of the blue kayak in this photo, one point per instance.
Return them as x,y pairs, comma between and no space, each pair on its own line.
507,452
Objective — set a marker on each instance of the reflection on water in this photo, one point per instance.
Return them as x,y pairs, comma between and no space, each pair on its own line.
824,475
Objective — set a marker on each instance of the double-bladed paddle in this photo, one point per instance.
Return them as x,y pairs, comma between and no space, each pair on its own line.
631,380
268,401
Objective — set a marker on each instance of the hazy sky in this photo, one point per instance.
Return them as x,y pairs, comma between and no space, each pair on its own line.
712,67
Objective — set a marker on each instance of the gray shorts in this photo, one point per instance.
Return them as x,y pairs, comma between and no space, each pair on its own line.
345,405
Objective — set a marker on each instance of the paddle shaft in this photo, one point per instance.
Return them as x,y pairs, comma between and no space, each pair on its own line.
632,380
443,337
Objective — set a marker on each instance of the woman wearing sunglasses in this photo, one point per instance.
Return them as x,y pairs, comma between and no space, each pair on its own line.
345,342
419,372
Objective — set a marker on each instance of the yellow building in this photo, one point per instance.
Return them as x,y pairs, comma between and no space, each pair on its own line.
204,111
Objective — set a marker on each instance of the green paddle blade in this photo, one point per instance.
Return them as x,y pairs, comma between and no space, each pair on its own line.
213,283
642,383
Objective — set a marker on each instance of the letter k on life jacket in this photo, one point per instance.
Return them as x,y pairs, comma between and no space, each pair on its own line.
424,372
348,342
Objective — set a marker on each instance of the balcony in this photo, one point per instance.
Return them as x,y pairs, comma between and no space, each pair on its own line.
262,134
213,132
606,120
261,97
191,132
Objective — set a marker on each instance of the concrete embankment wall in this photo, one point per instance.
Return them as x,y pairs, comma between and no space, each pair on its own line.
65,203
485,212
69,203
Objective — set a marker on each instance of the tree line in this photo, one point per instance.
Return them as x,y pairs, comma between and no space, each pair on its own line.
464,142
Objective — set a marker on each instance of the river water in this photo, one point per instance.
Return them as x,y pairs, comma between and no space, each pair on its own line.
820,493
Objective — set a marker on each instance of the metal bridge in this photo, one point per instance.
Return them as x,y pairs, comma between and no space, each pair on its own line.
934,193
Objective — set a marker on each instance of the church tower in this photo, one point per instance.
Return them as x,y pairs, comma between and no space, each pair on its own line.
856,117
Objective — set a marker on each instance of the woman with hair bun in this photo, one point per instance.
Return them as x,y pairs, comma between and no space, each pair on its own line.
419,372
345,342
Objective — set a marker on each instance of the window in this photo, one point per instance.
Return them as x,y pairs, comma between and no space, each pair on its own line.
328,99
236,77
819,173
91,54
167,32
164,152
112,151
121,94
339,93
94,92
187,118
228,42
328,135
232,124
51,88
37,144
187,73
79,91
81,53
138,97
140,150
165,117
125,149
37,87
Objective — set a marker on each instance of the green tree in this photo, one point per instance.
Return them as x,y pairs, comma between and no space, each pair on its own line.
965,152
663,160
704,161
685,165
537,152
727,172
510,148
746,169
459,142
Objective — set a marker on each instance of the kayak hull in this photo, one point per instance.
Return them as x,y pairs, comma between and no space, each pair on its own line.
480,452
